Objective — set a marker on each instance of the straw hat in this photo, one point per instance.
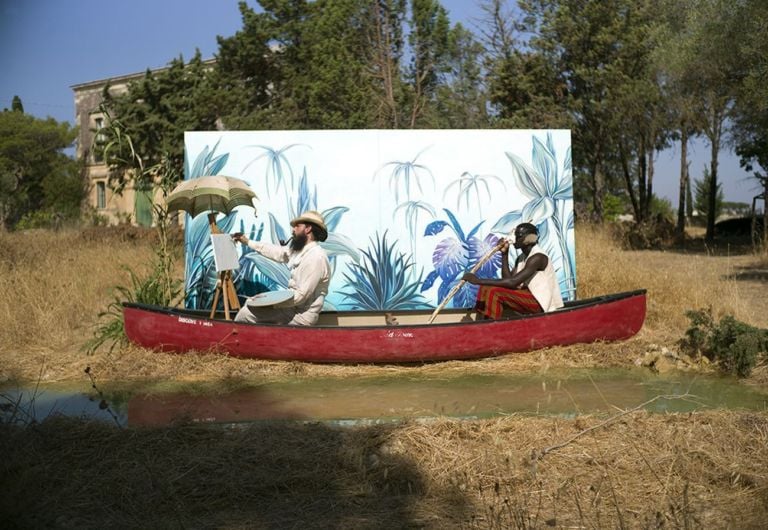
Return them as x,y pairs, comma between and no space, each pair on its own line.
313,217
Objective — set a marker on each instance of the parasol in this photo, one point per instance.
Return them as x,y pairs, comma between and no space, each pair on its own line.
213,193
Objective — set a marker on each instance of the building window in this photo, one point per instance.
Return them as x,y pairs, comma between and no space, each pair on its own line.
101,195
99,140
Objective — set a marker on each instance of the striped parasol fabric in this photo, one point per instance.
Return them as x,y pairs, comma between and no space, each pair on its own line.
213,193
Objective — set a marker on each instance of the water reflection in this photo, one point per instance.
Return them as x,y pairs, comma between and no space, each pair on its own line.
35,404
380,399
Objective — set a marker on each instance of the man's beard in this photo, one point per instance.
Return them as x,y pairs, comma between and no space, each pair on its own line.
298,242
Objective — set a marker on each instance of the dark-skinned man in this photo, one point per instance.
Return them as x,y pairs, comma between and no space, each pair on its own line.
531,287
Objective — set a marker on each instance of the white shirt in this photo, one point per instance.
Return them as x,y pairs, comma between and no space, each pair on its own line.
310,276
543,285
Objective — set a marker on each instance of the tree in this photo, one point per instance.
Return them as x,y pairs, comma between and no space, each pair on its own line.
602,53
750,116
155,112
16,105
460,97
35,173
428,39
298,65
703,193
385,43
713,29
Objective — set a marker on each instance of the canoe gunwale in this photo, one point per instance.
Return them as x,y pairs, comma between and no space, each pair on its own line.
568,308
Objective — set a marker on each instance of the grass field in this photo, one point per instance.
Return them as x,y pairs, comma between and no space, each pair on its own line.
630,470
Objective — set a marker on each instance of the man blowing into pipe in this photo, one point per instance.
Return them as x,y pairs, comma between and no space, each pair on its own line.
530,288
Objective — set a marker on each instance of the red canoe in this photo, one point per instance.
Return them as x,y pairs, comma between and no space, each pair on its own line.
378,337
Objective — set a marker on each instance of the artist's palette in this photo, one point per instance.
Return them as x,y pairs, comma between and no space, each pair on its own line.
269,298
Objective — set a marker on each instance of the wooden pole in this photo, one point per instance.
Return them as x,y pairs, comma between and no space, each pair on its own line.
458,286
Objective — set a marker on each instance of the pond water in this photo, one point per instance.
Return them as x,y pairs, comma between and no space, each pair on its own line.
354,400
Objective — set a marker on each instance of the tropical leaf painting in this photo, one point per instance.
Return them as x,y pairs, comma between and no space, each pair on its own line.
278,169
199,268
411,211
436,203
456,254
206,163
547,186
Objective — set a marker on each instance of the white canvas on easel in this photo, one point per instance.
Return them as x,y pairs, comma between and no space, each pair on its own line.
224,253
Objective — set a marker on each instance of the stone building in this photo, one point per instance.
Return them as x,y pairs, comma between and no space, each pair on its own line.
131,206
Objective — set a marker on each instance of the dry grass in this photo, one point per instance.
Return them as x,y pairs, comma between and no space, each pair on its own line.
701,470
55,284
698,470
676,282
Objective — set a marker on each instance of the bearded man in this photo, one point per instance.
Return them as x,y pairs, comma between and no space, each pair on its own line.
530,288
310,274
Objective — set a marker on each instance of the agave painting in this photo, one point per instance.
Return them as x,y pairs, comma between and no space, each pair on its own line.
457,254
385,280
548,187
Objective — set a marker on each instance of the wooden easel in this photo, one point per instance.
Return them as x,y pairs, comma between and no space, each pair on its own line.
224,285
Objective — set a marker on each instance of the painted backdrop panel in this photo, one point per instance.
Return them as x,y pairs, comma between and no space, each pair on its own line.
408,211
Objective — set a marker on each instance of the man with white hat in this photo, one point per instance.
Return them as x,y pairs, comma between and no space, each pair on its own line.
310,274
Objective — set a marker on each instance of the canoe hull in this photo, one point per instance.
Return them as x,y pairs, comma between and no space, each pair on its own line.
608,318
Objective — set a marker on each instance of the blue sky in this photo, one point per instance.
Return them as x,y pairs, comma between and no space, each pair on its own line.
49,45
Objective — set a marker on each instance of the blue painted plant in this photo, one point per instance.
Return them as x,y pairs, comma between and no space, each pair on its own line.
385,280
411,211
406,173
455,255
548,188
200,278
278,168
469,183
199,269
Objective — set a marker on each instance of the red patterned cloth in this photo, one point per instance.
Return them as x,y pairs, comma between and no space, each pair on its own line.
491,301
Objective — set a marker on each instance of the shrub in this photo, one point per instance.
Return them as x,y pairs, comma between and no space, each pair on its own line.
736,346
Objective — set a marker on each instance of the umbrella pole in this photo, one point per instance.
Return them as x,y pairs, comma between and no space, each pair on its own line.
224,285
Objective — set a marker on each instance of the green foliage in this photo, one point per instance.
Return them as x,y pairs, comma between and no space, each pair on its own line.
16,105
151,117
613,207
159,287
151,290
35,174
701,195
661,208
736,346
38,219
